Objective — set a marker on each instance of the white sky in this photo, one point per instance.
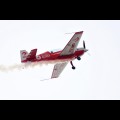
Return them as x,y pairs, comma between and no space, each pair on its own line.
96,76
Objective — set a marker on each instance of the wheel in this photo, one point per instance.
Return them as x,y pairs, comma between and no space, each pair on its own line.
78,58
73,67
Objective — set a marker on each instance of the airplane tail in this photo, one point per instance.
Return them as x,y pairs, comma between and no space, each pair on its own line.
23,55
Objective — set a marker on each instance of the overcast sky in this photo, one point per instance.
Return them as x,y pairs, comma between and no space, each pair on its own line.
97,76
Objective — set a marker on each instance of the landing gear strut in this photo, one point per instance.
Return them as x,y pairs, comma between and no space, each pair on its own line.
73,67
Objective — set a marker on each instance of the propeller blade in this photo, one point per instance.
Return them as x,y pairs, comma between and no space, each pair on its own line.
89,54
84,44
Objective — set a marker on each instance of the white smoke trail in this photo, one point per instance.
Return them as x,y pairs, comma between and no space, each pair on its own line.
7,68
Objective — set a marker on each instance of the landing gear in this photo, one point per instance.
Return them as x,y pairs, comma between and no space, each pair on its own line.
78,58
73,67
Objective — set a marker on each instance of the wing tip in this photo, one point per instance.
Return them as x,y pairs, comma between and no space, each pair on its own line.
79,32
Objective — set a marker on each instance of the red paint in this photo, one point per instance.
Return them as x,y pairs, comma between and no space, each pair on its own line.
79,32
55,56
46,56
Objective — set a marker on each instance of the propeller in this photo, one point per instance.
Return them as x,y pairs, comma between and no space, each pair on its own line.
89,54
84,44
85,48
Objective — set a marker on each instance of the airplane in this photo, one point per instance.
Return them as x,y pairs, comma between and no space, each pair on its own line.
70,53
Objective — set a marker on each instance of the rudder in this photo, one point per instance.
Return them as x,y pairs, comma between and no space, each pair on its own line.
23,55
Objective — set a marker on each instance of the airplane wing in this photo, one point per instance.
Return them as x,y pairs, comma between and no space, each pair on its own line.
32,54
58,68
72,44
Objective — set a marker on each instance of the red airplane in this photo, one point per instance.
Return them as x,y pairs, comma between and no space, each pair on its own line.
69,53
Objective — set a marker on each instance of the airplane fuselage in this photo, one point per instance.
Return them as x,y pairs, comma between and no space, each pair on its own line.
56,56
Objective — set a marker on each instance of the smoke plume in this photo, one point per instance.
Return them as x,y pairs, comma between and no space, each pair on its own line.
7,68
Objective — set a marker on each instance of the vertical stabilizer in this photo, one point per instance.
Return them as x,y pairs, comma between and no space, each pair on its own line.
23,55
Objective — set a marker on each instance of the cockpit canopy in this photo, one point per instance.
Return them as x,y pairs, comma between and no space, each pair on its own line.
54,50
